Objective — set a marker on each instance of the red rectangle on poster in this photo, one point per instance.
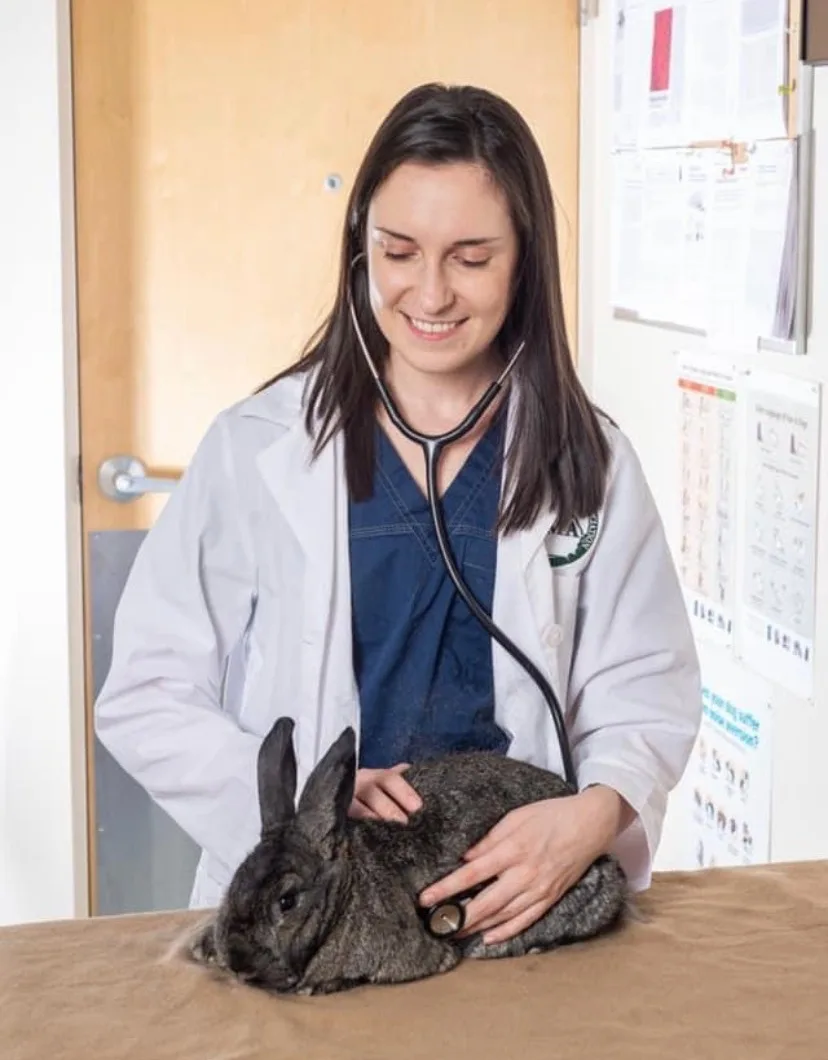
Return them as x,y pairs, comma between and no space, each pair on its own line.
662,43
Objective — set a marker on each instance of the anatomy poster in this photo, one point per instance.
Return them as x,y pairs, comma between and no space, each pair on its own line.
778,553
708,443
728,778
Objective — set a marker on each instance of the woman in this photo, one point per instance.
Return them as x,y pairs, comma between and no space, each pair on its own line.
295,570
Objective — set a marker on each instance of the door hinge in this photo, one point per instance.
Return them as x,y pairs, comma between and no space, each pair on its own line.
589,10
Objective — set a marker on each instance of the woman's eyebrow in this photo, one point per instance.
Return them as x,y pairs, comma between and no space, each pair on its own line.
473,242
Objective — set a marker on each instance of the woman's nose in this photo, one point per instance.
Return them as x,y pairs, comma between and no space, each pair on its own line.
436,294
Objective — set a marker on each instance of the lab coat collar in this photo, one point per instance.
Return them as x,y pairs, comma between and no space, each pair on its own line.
307,490
310,490
281,403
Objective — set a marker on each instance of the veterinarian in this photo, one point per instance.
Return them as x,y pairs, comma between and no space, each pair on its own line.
294,571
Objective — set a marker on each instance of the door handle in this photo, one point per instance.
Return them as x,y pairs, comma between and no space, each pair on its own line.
123,478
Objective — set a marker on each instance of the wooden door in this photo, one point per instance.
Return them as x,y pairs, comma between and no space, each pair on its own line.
205,134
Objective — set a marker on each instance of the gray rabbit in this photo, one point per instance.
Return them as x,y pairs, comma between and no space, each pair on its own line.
326,902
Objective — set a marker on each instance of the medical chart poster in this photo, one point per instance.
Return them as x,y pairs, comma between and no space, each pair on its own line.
778,542
708,397
729,774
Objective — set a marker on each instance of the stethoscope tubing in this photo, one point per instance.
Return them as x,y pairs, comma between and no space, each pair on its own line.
432,446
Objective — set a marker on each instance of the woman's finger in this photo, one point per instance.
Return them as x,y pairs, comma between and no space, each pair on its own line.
468,875
360,811
504,898
382,804
516,924
398,788
518,905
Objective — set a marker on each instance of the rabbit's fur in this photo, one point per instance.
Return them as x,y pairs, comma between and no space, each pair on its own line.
325,902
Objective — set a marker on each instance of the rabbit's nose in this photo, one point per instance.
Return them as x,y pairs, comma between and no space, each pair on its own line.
240,957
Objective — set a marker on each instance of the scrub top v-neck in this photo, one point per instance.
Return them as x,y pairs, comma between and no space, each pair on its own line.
422,661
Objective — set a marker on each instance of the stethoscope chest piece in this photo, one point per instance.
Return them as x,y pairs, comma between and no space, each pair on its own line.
445,919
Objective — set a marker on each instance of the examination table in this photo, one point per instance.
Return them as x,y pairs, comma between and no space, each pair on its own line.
722,963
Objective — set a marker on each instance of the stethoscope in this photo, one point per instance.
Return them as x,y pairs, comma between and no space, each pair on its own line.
447,918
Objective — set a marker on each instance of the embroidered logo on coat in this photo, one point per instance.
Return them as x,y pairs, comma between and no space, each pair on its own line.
568,546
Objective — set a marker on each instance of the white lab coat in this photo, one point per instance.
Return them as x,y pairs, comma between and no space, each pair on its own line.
237,610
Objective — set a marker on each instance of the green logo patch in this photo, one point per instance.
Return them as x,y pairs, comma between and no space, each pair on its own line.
568,546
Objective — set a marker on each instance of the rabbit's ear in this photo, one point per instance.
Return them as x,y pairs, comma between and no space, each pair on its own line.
277,776
326,797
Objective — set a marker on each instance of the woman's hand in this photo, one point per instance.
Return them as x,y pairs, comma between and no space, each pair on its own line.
384,794
537,852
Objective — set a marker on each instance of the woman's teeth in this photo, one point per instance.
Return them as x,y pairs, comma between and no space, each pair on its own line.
434,327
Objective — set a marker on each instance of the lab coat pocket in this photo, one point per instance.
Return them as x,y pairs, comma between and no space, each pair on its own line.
553,593
559,634
567,556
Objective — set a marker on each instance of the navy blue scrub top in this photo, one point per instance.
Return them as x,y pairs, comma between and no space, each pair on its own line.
422,661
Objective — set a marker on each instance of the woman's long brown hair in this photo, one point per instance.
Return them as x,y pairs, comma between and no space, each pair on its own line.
558,456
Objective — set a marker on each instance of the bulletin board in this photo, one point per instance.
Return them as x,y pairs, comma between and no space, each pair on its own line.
711,154
712,132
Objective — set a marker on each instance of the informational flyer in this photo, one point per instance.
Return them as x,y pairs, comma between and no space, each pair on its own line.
631,69
667,88
661,238
729,776
704,240
777,590
661,235
696,70
749,207
759,107
628,207
709,437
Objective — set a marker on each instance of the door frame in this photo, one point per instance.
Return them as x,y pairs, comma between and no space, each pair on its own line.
43,818
51,21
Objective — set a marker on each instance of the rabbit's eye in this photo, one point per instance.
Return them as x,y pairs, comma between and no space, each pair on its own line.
287,901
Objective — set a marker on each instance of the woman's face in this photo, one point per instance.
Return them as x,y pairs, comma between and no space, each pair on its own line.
442,252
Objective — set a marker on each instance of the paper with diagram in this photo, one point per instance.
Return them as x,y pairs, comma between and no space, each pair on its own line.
777,577
728,780
748,206
659,250
709,435
704,241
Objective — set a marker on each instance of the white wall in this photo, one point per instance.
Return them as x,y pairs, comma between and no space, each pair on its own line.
42,855
629,369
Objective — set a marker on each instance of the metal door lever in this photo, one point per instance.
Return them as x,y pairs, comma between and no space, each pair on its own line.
123,478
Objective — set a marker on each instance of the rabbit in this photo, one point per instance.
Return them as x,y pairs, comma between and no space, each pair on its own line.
325,902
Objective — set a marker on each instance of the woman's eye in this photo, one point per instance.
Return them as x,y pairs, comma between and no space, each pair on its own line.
474,264
287,901
399,256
